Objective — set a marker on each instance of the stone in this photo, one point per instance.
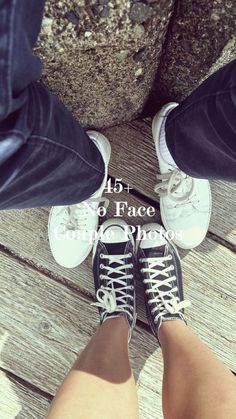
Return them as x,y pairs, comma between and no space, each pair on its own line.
71,16
138,72
139,31
87,34
105,12
96,9
139,55
140,12
47,26
122,55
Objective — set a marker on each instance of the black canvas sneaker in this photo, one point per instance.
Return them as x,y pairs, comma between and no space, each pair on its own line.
160,268
113,269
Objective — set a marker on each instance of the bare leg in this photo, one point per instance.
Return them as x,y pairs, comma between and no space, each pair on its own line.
196,384
101,384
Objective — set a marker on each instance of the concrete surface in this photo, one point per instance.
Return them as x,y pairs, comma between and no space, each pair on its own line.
201,38
101,56
110,60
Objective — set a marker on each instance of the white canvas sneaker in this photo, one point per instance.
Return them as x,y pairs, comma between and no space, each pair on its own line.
185,202
72,228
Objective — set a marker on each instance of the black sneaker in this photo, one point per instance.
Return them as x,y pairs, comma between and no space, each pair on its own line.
113,269
160,268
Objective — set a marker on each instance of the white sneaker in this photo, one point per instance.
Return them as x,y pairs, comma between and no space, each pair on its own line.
185,202
72,228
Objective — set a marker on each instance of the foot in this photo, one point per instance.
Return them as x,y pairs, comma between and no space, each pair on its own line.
185,202
72,228
161,273
113,269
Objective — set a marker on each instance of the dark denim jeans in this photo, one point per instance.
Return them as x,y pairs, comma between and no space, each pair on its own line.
201,132
45,156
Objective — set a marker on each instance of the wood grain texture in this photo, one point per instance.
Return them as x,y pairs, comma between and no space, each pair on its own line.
19,402
43,325
209,277
45,313
134,159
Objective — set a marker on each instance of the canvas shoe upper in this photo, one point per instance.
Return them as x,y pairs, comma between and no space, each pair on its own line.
161,273
113,269
72,228
185,202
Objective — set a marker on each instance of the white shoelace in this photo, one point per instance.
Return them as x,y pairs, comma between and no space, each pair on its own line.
177,186
76,216
110,298
165,301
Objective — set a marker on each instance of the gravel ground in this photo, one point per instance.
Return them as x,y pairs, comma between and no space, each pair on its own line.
101,56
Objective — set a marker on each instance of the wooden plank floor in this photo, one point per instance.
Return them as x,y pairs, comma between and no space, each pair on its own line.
45,312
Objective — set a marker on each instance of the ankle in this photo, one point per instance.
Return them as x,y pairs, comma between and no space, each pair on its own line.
171,328
115,326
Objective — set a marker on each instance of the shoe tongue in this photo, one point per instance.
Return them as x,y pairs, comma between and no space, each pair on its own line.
114,235
185,187
153,241
115,248
158,251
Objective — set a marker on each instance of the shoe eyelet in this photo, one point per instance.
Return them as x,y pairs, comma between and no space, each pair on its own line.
149,303
170,257
101,256
101,266
101,277
142,270
131,265
130,254
172,267
146,292
155,321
